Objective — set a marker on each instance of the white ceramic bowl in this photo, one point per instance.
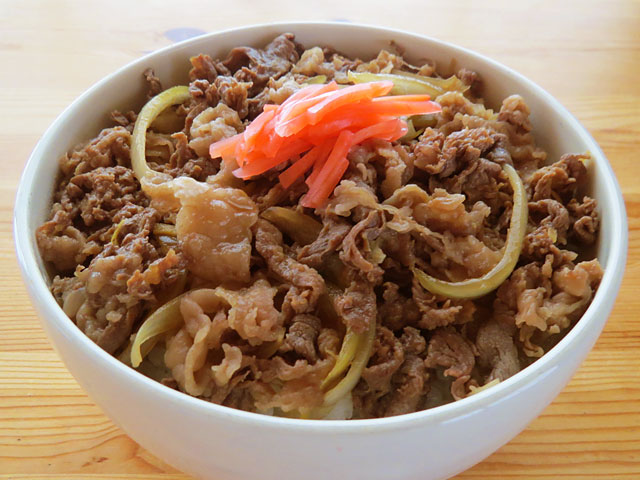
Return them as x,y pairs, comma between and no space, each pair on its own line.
214,442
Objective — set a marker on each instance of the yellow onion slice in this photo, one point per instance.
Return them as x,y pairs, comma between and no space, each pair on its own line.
153,108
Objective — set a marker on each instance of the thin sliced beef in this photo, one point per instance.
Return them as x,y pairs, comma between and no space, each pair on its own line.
300,383
497,351
357,305
553,214
141,284
515,112
412,341
586,220
234,94
97,195
126,119
439,312
357,249
457,150
552,222
399,247
253,313
302,335
471,79
61,243
307,284
542,301
449,349
120,281
204,67
333,232
278,195
258,65
153,82
109,149
411,384
275,92
397,165
384,62
211,125
387,357
396,310
441,211
428,152
87,204
324,61
560,179
204,90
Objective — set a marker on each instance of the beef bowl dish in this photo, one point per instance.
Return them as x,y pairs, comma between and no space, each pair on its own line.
306,238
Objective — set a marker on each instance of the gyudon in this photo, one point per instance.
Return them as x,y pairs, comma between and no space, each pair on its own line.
304,234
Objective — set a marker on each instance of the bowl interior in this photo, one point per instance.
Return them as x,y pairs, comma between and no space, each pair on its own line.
555,129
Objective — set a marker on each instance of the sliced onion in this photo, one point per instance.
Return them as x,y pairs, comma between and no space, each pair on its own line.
147,115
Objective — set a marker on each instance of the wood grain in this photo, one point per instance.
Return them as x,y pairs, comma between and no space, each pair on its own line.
586,53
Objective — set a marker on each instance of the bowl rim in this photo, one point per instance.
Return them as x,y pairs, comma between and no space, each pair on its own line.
39,291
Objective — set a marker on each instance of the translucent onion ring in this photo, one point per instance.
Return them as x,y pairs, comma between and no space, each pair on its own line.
153,108
352,377
350,345
165,319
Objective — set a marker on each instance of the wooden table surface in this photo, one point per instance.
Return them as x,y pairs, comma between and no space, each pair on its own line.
586,53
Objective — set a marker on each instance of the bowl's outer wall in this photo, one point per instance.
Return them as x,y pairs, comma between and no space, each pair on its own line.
212,442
